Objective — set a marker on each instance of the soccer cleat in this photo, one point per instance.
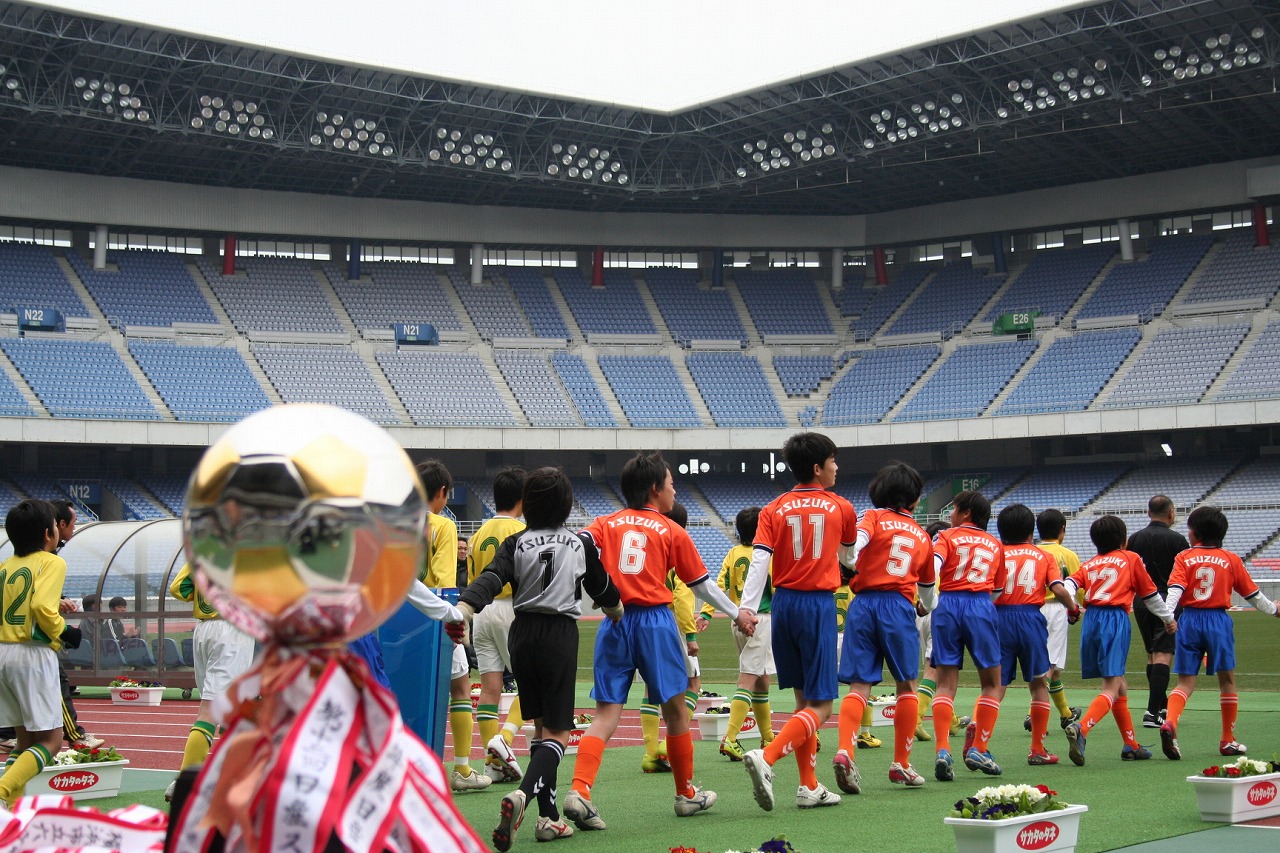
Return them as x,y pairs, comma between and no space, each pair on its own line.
1232,747
960,723
732,749
699,802
970,735
761,778
580,810
170,791
848,776
509,820
503,758
983,761
87,742
473,782
655,764
815,798
1169,742
922,734
908,776
1139,753
8,744
1076,713
495,773
1075,744
1040,759
942,766
817,743
550,830
1026,723
1152,721
867,740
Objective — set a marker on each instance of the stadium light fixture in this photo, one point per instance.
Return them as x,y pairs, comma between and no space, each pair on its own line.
470,150
235,117
10,84
1220,54
588,162
793,148
351,134
108,97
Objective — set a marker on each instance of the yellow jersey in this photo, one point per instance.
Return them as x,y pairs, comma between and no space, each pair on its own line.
184,588
1068,562
733,579
483,546
30,589
441,569
682,605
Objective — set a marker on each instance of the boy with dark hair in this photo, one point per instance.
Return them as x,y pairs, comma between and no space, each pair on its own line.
808,533
970,567
543,566
491,631
1110,582
1024,632
1157,544
1051,524
30,635
638,546
893,559
1207,574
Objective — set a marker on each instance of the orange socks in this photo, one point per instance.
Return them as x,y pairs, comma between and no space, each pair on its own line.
1098,708
587,767
680,754
1177,704
802,726
905,715
806,760
1039,725
851,709
1120,711
1230,705
944,708
985,714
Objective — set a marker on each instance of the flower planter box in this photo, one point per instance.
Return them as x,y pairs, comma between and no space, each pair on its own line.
882,713
136,695
575,737
504,701
717,726
79,781
706,703
1238,800
1049,831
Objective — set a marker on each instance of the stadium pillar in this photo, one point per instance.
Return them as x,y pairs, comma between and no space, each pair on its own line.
998,260
80,240
353,261
100,248
1260,235
597,267
1126,240
882,275
477,263
837,269
717,268
229,255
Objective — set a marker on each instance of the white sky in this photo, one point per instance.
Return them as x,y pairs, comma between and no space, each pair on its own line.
663,55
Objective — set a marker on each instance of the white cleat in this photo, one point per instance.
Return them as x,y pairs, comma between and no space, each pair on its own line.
699,802
503,759
580,810
475,782
813,798
761,778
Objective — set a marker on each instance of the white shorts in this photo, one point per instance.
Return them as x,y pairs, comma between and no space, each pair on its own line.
1056,615
926,636
755,653
222,653
30,695
489,635
460,666
692,667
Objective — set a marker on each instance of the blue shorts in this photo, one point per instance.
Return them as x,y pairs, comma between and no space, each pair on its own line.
804,642
965,620
1104,642
880,629
1204,632
645,639
1024,639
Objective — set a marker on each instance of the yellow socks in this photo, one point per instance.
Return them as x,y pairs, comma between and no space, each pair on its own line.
199,742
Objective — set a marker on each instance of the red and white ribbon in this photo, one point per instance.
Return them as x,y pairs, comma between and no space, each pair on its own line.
52,824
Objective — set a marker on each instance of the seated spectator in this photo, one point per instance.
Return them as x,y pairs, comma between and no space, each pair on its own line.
117,628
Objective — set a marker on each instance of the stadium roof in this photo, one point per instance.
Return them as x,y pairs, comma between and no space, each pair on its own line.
1088,92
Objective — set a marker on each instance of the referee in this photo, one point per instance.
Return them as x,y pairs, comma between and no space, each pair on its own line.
1157,544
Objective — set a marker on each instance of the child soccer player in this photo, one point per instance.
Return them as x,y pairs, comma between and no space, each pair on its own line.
638,545
1203,578
489,634
1024,631
970,567
807,532
30,635
1110,581
893,560
543,567
755,652
1051,524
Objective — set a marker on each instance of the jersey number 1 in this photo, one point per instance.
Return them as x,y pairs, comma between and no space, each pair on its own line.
796,523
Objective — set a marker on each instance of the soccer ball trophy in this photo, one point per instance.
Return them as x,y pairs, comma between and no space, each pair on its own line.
303,526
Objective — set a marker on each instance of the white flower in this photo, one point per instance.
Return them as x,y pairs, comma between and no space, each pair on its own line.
66,756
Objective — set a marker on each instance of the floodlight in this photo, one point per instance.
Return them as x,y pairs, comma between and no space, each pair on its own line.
1206,68
1058,76
1160,55
593,153
902,122
1216,55
1026,83
741,172
1013,85
1100,65
886,115
826,127
930,105
1168,65
553,169
455,158
957,98
455,135
805,156
572,149
775,152
1179,73
1002,112
1258,33
880,128
1225,65
761,144
916,108
615,166
1175,51
573,171
197,122
800,134
622,179
1254,57
797,147
506,165
470,159
868,143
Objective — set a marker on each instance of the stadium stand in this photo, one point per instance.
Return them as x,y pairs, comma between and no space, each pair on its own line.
735,389
853,299
888,299
148,289
171,489
137,503
1186,481
1070,373
583,389
649,390
12,403
712,545
615,309
1143,288
200,383
446,389
728,494
492,306
394,292
692,312
9,495
1176,367
772,296
875,383
79,379
1254,484
1257,374
272,294
345,380
1238,271
1053,281
594,498
802,374
1064,487
31,278
967,381
948,302
533,294
541,396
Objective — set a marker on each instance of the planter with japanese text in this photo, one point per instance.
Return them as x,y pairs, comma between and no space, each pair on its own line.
1049,832
88,781
1239,799
136,695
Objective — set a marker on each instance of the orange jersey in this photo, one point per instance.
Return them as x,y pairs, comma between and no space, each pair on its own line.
1208,576
803,529
638,547
897,556
972,560
1029,572
1112,579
